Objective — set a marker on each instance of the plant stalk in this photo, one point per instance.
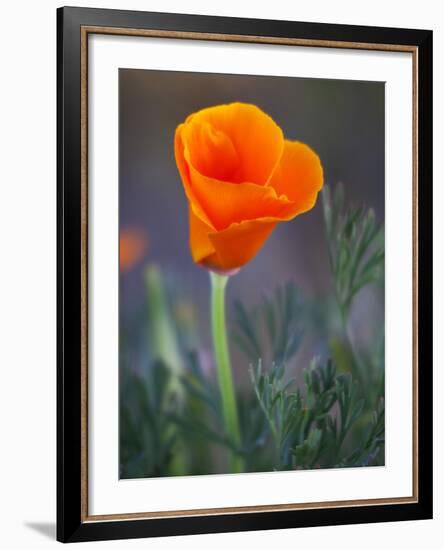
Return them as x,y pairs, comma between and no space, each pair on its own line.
224,373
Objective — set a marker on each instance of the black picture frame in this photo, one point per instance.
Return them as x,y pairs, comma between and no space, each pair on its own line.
71,523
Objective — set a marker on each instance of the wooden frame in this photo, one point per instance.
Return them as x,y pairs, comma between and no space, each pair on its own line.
74,26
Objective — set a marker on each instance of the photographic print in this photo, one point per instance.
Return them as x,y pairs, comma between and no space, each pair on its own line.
244,274
251,273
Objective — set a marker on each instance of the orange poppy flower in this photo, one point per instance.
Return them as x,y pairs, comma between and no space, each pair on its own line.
132,246
241,178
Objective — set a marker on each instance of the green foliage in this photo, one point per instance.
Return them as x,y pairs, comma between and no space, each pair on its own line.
305,430
273,326
147,437
355,245
373,445
329,414
282,410
201,419
255,434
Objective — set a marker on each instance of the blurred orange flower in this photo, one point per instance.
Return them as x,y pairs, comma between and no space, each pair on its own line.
241,178
133,245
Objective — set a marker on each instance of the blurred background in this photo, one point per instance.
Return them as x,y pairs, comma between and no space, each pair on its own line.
343,121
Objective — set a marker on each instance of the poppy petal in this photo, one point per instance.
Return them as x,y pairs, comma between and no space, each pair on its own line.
225,203
184,172
238,244
240,130
211,152
299,176
200,244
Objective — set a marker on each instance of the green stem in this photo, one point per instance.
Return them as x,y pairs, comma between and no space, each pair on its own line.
224,374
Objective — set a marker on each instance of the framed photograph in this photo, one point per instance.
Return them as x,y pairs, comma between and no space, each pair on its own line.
244,274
